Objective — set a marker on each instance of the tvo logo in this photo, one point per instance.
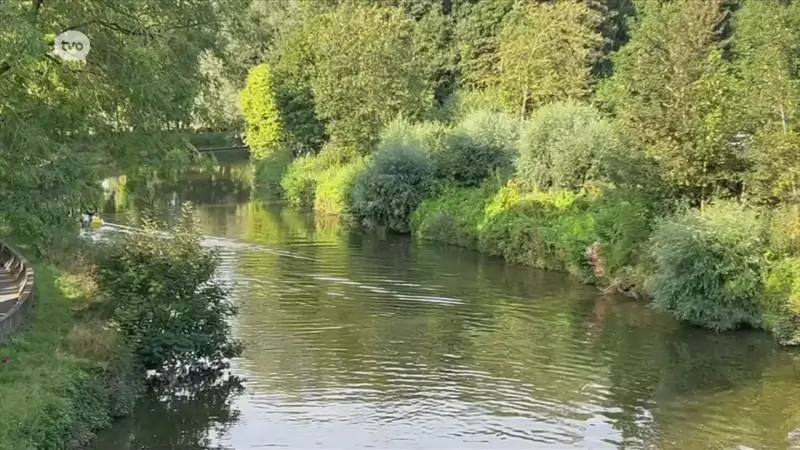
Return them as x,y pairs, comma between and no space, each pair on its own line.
72,45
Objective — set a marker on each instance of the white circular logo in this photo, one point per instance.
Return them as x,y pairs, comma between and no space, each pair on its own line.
72,45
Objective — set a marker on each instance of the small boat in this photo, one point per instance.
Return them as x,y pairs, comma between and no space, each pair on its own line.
96,223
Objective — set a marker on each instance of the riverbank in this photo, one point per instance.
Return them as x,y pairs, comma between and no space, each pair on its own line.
65,375
113,312
489,184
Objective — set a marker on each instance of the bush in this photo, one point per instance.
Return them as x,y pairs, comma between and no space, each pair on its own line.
334,153
299,183
164,297
709,268
549,230
452,217
481,144
623,223
565,145
784,226
462,103
334,188
781,304
391,187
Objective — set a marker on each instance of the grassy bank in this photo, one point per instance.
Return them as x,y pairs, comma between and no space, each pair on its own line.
66,376
141,302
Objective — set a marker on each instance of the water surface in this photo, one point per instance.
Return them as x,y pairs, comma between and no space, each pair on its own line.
375,341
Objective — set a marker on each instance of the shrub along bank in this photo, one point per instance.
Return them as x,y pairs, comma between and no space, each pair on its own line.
504,187
680,188
98,327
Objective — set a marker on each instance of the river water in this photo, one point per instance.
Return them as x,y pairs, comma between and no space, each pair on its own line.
367,340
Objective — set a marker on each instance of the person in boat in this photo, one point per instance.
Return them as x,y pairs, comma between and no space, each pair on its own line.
86,219
96,222
90,220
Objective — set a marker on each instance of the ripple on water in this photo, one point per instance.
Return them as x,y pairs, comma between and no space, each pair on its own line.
359,342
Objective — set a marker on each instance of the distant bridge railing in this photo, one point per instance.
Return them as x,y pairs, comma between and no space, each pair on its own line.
223,149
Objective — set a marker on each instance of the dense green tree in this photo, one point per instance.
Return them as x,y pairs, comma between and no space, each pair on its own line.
767,50
566,145
292,60
264,121
366,71
614,27
672,93
477,37
545,54
434,39
59,120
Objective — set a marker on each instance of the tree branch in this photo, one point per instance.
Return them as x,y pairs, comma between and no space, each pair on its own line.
146,32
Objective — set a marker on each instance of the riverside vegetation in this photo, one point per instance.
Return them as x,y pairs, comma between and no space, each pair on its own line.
661,136
649,147
103,317
143,302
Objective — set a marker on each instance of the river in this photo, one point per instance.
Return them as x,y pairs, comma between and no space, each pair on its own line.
368,340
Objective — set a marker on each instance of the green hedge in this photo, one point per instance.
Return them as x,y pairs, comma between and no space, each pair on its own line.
550,230
333,194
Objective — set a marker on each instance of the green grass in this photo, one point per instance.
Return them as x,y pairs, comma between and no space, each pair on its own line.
58,385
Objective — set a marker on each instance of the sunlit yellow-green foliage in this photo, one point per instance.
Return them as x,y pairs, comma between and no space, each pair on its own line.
335,186
546,51
300,181
366,72
264,123
546,229
782,301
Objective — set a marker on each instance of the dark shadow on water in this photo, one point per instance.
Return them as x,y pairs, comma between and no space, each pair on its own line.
186,415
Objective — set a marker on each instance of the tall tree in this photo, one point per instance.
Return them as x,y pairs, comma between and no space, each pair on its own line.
546,54
367,71
614,27
672,93
264,122
292,62
61,121
477,37
766,46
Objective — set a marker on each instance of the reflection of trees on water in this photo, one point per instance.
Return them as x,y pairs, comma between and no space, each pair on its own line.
208,183
538,334
682,387
181,416
553,340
